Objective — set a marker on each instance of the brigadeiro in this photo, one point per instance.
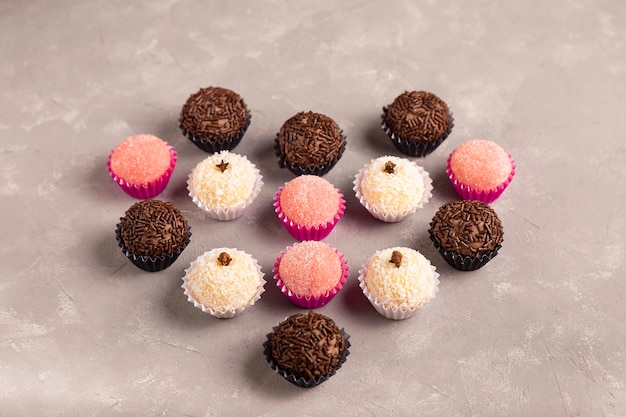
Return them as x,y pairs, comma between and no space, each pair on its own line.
309,143
468,233
215,119
306,349
152,234
417,122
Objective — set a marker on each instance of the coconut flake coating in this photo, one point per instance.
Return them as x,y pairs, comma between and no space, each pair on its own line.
398,191
310,268
223,287
410,285
140,159
481,164
223,180
309,200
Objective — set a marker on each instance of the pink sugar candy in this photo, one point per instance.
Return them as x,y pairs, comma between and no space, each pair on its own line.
140,159
309,200
310,268
481,164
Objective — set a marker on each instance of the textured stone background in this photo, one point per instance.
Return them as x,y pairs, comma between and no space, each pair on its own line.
540,331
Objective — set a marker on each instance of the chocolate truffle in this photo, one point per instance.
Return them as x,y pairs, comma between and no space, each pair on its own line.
309,143
417,122
468,234
214,118
307,349
152,234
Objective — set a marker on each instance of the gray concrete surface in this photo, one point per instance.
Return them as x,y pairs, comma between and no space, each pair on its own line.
540,331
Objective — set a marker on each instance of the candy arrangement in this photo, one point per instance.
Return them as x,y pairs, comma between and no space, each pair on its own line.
306,349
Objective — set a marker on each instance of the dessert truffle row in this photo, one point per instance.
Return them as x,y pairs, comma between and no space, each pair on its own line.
467,233
389,187
215,118
308,143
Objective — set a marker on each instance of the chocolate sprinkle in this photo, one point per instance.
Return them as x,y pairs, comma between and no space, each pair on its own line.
224,259
223,166
214,113
307,345
396,258
389,167
417,115
468,227
153,228
309,139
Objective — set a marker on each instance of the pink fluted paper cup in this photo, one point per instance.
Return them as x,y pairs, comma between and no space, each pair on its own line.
151,189
302,232
310,301
468,193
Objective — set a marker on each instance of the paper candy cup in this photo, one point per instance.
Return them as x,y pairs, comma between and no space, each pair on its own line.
145,191
301,232
393,312
390,216
311,302
229,312
149,263
464,262
303,382
212,146
469,193
319,170
230,213
418,148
